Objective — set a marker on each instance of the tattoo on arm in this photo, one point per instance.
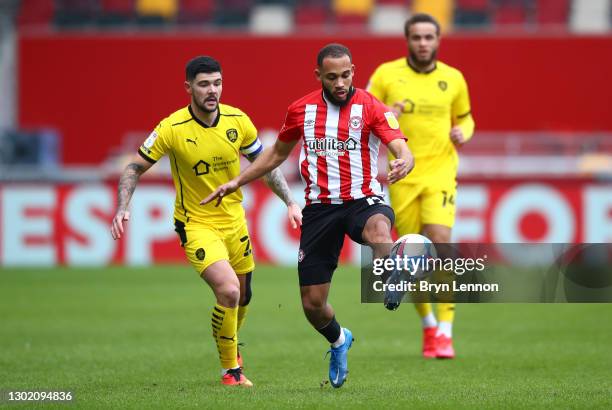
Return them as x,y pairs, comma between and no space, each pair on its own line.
127,184
278,184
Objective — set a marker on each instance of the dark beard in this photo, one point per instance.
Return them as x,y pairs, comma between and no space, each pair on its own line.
421,63
203,108
337,102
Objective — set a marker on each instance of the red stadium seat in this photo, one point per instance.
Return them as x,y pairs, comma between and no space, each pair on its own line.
511,13
351,20
116,11
117,6
552,11
195,11
472,5
35,12
311,15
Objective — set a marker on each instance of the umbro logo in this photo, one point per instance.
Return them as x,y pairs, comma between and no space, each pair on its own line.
192,141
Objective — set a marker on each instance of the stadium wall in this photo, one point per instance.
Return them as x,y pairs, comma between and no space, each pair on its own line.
47,224
97,88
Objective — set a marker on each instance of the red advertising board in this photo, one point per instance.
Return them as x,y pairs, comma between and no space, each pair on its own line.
96,89
47,224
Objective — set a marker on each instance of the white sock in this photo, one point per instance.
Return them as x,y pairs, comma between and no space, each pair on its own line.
445,328
224,371
429,320
340,340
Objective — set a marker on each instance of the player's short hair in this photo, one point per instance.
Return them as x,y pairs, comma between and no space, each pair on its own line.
420,18
201,64
333,50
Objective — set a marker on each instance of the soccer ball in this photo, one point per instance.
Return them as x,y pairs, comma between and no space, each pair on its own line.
411,254
414,250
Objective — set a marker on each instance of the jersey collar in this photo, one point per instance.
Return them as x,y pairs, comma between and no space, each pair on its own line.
413,68
196,119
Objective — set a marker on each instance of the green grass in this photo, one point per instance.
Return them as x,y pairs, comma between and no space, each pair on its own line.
140,338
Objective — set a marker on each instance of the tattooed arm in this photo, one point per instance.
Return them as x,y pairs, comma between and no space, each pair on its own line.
127,185
278,184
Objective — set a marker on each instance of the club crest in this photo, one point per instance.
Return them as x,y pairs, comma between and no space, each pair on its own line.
355,123
232,134
200,254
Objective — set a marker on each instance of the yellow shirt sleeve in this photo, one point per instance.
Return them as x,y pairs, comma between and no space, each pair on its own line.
251,145
376,85
157,143
461,110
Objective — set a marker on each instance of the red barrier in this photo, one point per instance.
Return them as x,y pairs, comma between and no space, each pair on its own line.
95,88
48,224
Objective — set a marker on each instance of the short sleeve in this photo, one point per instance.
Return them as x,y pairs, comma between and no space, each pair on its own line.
291,130
376,85
157,143
383,123
251,145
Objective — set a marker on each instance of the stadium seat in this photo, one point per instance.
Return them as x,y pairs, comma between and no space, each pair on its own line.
271,18
153,12
351,14
35,12
233,13
195,11
288,3
552,12
389,18
442,10
511,12
312,14
114,12
402,3
75,13
472,13
592,16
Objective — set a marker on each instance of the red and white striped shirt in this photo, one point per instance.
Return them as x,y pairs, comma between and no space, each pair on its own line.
339,156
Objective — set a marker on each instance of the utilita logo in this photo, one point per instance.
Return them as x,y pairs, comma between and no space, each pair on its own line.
331,147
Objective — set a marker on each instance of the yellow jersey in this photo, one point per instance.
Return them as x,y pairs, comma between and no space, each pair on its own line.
203,157
433,103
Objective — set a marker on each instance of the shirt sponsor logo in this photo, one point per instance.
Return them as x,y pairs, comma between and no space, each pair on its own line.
331,147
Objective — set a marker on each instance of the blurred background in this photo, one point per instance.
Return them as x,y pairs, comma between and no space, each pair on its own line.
83,83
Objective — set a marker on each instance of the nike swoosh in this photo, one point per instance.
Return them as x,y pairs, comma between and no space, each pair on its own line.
337,375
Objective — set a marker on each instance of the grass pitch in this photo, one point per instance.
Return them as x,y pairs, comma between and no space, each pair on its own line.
140,338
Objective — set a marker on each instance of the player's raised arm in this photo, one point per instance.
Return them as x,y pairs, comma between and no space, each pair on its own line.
127,185
403,162
268,160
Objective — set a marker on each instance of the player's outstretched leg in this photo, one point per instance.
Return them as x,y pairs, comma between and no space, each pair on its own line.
440,235
243,307
321,316
224,317
376,233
